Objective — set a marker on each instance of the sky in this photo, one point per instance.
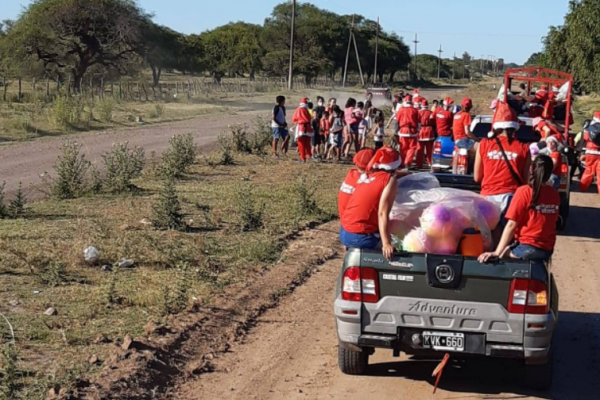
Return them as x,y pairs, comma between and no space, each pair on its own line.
509,29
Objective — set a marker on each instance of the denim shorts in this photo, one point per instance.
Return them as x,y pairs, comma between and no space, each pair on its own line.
555,179
353,128
465,143
280,133
503,201
358,241
530,253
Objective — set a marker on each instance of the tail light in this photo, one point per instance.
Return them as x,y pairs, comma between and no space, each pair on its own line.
360,284
437,148
528,296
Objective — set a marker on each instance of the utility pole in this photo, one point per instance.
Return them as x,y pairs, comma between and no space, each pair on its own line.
348,53
291,73
376,52
482,72
362,78
416,42
453,66
440,61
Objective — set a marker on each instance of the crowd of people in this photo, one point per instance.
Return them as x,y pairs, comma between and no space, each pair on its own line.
521,179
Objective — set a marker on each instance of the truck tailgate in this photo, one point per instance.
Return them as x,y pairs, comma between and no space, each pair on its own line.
444,293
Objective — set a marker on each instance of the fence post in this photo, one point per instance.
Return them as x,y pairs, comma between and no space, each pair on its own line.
92,88
177,88
145,91
102,87
20,89
47,88
4,88
33,86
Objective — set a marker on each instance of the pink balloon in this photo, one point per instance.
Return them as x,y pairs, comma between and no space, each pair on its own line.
416,242
438,221
447,245
489,211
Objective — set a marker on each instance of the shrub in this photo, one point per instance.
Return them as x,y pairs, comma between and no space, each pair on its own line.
239,136
261,137
8,385
166,210
251,214
110,290
106,108
3,208
51,273
122,166
179,157
305,200
226,148
158,111
66,111
16,208
96,180
71,168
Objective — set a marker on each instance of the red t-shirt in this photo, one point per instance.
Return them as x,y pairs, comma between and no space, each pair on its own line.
444,119
361,213
553,131
497,178
324,126
535,227
347,189
461,120
591,147
558,162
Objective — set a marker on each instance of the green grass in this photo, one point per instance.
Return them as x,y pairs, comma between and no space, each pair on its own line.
218,252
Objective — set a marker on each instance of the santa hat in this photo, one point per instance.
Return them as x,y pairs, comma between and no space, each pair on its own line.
416,93
556,88
424,104
305,100
363,157
385,158
467,102
505,118
551,139
448,101
544,88
407,100
596,117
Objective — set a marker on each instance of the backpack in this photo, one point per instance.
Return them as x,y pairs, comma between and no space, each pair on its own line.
594,133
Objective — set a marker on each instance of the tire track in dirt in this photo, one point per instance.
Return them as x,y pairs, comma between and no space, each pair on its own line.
292,353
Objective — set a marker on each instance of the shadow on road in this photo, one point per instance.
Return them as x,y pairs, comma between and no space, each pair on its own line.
576,367
584,222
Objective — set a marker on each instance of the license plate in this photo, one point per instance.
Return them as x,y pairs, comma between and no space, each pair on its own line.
444,341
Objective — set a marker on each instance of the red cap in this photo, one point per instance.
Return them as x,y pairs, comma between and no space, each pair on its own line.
304,100
385,158
467,102
424,103
597,115
363,157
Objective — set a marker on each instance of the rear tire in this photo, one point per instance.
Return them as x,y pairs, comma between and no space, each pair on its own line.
564,210
352,362
539,377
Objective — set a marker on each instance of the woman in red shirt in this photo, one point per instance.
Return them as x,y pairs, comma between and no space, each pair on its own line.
532,218
365,220
502,162
361,160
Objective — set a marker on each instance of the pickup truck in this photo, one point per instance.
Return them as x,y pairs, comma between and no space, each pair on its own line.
430,305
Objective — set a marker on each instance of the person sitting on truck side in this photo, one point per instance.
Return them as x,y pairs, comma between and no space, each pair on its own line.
444,118
502,162
361,160
556,156
547,129
461,128
592,158
426,135
532,218
365,221
408,120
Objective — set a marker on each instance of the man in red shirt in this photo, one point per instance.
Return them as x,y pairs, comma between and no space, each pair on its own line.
592,158
361,160
461,128
444,118
547,129
426,134
408,120
532,215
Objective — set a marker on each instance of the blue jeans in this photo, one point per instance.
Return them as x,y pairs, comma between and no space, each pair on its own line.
465,143
503,201
555,179
280,133
358,241
530,253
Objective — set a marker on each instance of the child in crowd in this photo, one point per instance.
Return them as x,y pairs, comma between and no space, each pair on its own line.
279,127
335,133
532,217
324,126
316,138
332,103
362,126
304,130
351,125
378,132
556,157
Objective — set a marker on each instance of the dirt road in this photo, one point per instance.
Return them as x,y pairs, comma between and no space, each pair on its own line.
24,162
292,353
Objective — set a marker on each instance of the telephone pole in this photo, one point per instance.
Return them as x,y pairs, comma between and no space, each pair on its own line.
416,42
440,61
291,73
348,53
376,52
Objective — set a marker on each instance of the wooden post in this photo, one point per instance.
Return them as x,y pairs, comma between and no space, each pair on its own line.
20,89
58,85
153,92
112,89
102,87
33,86
145,91
47,88
120,90
92,88
4,88
177,88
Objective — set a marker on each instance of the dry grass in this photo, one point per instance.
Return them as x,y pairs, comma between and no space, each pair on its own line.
91,303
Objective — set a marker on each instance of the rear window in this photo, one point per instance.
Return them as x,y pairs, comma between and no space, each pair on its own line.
526,134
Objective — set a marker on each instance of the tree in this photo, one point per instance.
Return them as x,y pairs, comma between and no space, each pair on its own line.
74,36
163,48
536,59
233,49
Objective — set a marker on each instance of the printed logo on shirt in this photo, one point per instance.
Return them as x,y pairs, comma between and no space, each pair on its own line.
547,208
347,188
457,116
441,116
364,178
497,155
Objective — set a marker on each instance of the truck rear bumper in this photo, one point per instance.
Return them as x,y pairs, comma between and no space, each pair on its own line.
489,329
